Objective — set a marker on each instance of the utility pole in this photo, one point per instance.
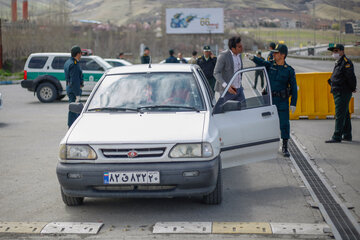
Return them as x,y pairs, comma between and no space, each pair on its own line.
1,53
339,20
314,23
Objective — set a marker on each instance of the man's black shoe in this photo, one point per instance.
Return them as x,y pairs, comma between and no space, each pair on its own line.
347,139
332,141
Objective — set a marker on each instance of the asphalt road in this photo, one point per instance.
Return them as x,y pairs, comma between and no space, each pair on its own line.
30,133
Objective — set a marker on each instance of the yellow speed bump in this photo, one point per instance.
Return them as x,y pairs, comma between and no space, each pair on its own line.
22,227
241,227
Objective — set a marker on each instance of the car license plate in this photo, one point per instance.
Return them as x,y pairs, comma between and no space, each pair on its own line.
143,177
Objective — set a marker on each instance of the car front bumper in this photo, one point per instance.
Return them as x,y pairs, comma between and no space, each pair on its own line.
171,174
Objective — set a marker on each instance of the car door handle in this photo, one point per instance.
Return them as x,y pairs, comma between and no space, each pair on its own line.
264,114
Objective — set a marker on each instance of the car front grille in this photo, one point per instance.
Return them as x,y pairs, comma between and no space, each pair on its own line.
126,153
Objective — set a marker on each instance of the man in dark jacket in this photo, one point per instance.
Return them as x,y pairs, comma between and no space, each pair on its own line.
207,64
74,80
270,57
145,58
343,84
172,59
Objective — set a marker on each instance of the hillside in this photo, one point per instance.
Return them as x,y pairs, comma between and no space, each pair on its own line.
120,12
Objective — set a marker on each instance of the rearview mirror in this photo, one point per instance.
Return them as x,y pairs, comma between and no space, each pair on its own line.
76,107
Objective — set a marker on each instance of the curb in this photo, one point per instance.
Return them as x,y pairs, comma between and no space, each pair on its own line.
10,82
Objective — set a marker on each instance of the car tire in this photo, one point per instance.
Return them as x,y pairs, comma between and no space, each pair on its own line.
215,197
46,92
71,201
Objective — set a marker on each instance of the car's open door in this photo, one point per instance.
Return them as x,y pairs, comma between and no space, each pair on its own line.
249,129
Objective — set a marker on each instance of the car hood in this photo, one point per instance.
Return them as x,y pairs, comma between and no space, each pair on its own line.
98,128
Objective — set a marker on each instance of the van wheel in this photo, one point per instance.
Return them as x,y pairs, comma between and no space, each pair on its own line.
46,92
71,201
215,197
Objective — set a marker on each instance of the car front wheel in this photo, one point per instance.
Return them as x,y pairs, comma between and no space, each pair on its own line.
46,92
71,201
215,196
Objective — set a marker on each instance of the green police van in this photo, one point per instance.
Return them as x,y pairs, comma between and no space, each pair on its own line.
44,74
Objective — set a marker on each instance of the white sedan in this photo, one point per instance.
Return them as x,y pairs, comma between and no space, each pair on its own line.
117,62
156,131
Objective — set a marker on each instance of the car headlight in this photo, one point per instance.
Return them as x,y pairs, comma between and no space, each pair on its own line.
191,150
77,152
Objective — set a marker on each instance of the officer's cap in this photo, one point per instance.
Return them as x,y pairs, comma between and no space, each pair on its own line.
333,46
75,50
258,52
272,45
281,48
207,48
146,48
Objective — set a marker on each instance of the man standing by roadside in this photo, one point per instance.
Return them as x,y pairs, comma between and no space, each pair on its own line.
207,64
229,62
74,80
281,76
270,57
171,59
181,59
343,84
193,59
145,58
259,73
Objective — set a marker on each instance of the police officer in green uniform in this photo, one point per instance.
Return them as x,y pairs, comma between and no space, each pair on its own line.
270,57
283,85
145,58
74,80
343,84
207,64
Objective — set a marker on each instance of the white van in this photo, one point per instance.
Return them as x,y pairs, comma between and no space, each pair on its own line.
44,74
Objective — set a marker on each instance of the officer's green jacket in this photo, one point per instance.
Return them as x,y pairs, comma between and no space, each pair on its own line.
145,59
207,66
73,76
343,79
280,77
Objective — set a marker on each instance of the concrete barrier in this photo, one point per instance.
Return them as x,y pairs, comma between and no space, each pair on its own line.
314,98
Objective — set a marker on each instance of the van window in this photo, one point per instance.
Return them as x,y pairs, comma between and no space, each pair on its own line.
90,64
37,62
59,62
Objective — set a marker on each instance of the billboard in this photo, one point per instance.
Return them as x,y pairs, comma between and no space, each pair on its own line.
194,20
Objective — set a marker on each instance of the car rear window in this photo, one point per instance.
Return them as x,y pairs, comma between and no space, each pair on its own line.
59,62
37,62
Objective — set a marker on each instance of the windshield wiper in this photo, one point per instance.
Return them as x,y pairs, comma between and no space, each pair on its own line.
113,109
168,106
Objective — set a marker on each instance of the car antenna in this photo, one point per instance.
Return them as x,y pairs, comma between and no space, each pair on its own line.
150,62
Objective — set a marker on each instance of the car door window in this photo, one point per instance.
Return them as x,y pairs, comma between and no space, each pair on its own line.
59,62
37,62
89,64
255,96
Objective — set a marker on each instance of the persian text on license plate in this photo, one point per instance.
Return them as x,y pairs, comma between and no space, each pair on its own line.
143,177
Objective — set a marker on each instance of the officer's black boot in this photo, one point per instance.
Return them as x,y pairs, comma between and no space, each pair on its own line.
285,148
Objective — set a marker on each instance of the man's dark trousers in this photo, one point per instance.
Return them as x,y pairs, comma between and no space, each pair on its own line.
342,115
72,116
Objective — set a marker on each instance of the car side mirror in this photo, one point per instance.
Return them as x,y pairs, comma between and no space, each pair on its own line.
76,107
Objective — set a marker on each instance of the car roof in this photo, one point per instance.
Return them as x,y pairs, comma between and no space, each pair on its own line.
46,54
142,68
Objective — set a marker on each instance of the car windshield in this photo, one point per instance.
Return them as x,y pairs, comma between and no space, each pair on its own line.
148,92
